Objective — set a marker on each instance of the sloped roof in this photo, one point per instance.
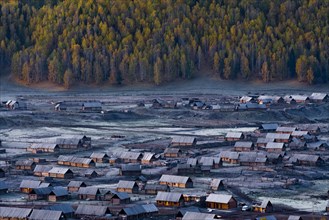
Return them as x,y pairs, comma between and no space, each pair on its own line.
265,203
294,217
315,145
174,179
91,210
148,156
269,126
299,133
229,154
183,140
39,214
42,191
306,157
245,99
60,191
98,155
300,97
130,167
29,184
43,146
156,187
318,96
278,136
42,168
75,183
219,198
192,161
68,141
244,144
24,163
133,210
168,196
129,155
216,182
88,190
126,184
11,212
59,170
285,129
233,135
198,215
264,140
65,208
150,208
171,150
274,145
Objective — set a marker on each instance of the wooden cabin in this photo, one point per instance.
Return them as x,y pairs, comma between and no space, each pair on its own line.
169,199
90,174
27,186
100,157
319,97
243,146
130,170
183,141
285,130
273,147
261,142
264,207
89,192
148,158
127,186
61,173
153,189
74,186
216,184
43,148
234,136
67,209
172,153
229,157
130,157
176,181
119,198
306,160
12,213
25,165
278,137
221,201
301,99
42,170
268,127
38,214
39,193
58,194
84,211
74,142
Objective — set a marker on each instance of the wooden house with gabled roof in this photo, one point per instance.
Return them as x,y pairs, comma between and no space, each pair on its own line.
221,201
91,211
169,199
319,97
148,158
183,141
216,184
127,186
234,136
171,152
27,186
89,192
43,148
153,189
176,181
61,173
74,186
25,165
264,207
243,146
12,213
100,157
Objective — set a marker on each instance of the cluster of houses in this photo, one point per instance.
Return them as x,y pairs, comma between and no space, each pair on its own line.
86,106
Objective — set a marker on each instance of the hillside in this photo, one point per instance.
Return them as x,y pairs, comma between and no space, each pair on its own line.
97,41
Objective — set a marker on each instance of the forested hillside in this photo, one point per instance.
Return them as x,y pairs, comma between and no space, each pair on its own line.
156,41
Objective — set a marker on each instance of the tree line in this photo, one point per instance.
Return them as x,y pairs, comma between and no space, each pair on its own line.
157,41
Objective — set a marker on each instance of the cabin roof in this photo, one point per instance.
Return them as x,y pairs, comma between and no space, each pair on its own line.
126,184
11,212
168,196
219,198
91,210
174,179
40,214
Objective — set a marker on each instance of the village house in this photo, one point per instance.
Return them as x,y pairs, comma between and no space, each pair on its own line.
67,209
42,170
74,142
264,207
90,173
306,160
11,213
274,158
92,106
268,127
130,170
91,211
186,169
246,99
281,138
176,181
130,157
213,162
297,144
43,148
319,97
100,157
25,165
192,162
183,141
3,187
302,99
61,173
216,184
221,201
148,158
74,186
89,192
27,186
318,146
252,159
75,161
127,186
169,199
312,129
39,193
289,100
273,147
285,130
234,136
245,146
58,193
119,198
64,160
138,211
261,142
153,189
172,152
229,157
198,215
39,214
264,99
299,134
